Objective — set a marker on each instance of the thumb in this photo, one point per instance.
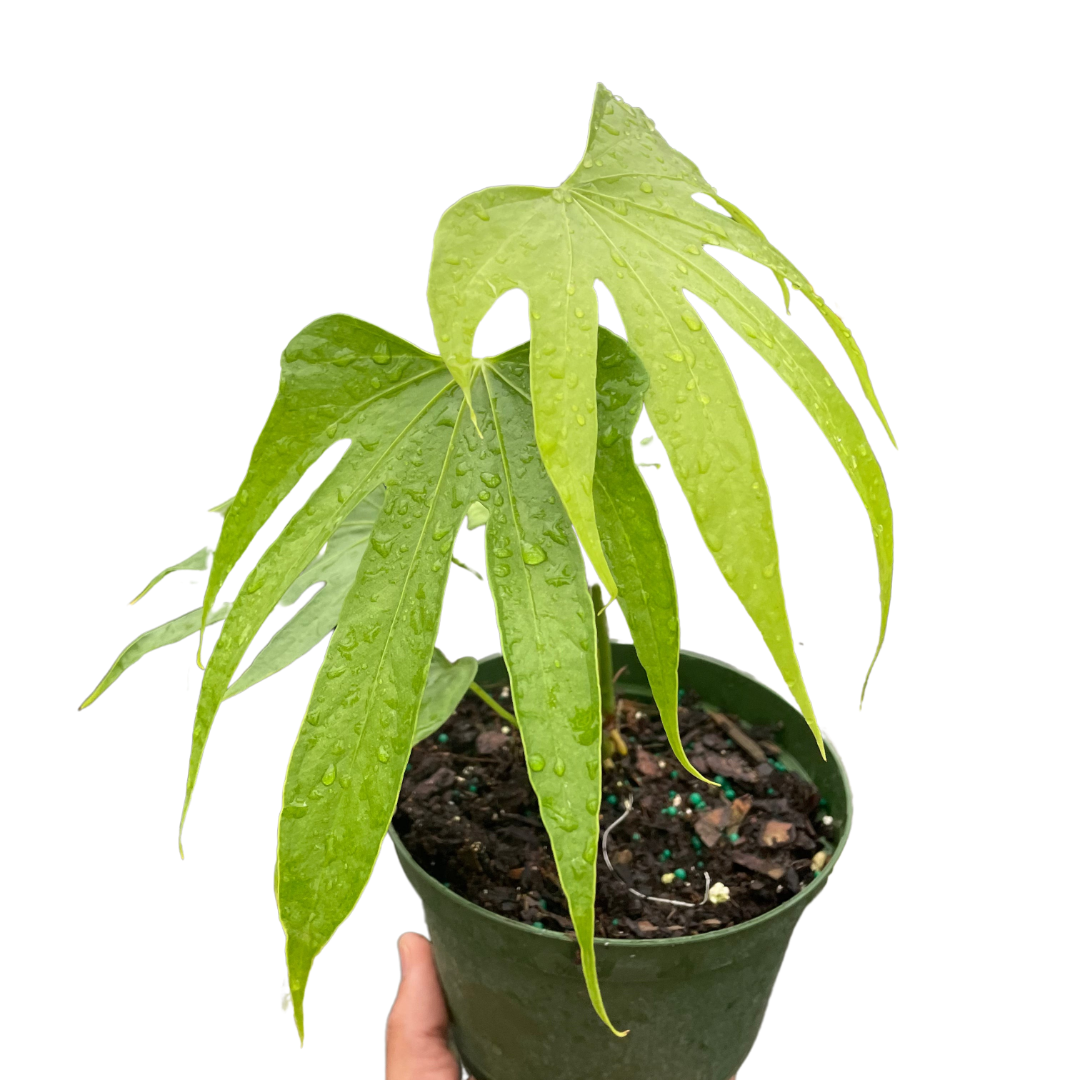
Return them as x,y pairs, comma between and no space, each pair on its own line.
416,1028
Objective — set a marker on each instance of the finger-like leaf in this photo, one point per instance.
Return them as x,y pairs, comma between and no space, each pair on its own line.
335,568
485,245
198,561
351,752
167,634
630,527
548,637
447,684
333,374
627,216
339,376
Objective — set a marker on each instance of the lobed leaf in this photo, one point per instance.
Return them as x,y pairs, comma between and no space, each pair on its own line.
630,527
627,217
350,756
548,637
383,431
486,245
335,568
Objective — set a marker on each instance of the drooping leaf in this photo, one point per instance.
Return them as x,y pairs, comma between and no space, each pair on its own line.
198,561
447,684
630,528
337,376
350,755
627,217
548,637
335,568
409,398
167,634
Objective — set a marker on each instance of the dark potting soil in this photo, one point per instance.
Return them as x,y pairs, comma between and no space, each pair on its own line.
469,817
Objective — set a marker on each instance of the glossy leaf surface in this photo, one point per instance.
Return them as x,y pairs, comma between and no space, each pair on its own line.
535,447
627,217
548,637
410,398
336,567
167,634
350,756
630,527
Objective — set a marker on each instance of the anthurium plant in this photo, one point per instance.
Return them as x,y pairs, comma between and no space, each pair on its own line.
535,446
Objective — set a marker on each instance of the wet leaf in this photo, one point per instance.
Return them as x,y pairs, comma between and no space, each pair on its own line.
627,217
548,637
630,529
198,561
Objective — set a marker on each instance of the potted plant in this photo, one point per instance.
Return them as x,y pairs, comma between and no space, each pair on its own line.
535,446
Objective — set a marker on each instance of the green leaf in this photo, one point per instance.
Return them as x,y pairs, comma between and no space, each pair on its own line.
447,684
338,376
350,755
478,515
382,428
487,244
548,637
198,561
630,527
627,217
167,634
222,508
335,568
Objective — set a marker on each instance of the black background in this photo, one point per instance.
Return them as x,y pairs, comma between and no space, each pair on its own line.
218,227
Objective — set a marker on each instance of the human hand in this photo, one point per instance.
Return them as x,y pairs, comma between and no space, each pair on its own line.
416,1027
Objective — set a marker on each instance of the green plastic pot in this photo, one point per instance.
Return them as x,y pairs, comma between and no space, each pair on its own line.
517,1000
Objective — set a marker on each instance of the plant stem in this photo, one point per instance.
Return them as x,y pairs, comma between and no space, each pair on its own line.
603,652
464,566
492,704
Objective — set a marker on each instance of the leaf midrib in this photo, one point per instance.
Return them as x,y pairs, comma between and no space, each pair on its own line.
511,499
451,449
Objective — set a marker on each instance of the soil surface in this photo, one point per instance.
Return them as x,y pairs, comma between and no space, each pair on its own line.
468,816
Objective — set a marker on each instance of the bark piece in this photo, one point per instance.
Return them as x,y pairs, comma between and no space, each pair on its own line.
776,833
710,827
733,730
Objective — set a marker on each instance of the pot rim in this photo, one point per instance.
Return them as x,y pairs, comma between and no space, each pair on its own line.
801,897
